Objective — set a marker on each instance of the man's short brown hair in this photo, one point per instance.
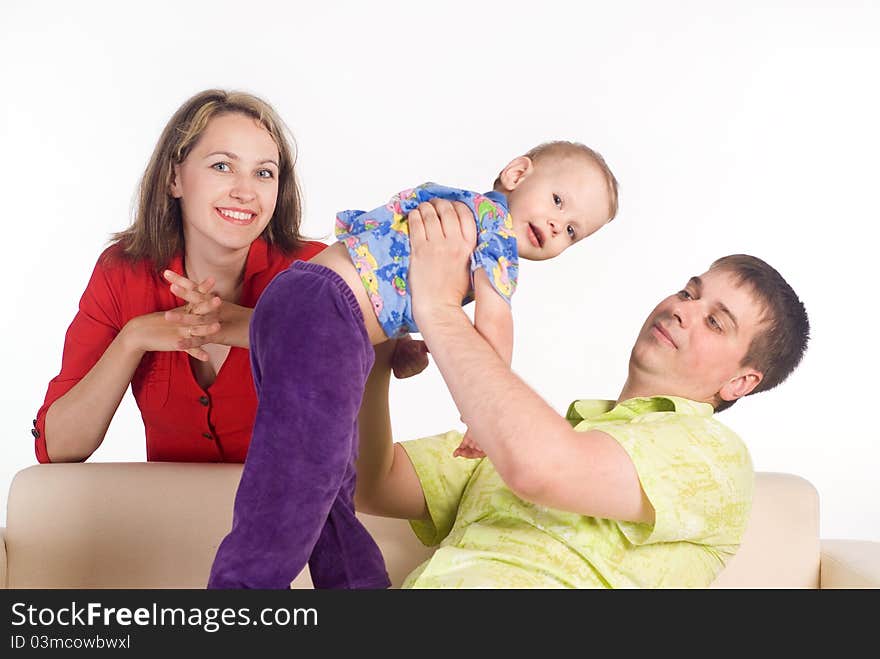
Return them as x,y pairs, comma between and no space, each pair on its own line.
781,340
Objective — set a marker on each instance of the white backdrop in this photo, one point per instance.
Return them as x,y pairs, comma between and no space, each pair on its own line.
732,127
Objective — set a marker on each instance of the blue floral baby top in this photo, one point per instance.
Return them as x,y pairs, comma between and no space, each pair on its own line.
378,243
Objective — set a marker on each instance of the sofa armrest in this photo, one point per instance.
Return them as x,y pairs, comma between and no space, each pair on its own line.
2,558
850,564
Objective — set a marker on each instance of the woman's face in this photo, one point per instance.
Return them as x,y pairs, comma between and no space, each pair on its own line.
228,184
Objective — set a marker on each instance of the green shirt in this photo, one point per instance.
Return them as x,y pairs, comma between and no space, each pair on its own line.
696,472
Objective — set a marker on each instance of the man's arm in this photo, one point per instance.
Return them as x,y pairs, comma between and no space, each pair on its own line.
387,483
537,453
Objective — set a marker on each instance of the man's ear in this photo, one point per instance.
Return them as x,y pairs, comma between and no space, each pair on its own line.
174,189
515,172
741,385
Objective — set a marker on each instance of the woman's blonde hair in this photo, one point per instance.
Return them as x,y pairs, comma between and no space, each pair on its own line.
157,230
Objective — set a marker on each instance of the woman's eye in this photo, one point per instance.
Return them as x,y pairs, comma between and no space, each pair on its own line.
571,232
714,324
266,173
222,167
557,200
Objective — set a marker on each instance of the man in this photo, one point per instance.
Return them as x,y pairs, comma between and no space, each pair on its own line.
650,491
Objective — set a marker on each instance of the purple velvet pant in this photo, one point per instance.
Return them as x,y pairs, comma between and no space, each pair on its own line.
310,357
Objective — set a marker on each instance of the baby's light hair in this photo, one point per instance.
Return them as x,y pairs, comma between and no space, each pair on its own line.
561,148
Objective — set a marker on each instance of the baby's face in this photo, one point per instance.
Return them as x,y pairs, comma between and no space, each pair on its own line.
557,202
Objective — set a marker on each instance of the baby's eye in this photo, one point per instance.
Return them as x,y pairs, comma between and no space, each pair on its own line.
570,231
222,167
557,200
266,173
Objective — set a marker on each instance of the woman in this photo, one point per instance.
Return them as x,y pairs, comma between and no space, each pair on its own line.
168,304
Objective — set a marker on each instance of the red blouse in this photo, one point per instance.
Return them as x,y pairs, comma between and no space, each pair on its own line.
183,422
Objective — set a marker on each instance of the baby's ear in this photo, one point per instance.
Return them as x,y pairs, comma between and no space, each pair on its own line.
515,172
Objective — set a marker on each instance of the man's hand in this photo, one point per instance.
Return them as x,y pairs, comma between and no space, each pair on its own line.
442,236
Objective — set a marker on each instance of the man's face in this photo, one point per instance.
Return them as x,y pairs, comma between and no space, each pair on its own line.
693,343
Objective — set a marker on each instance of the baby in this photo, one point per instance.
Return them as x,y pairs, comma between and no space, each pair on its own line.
311,345
542,203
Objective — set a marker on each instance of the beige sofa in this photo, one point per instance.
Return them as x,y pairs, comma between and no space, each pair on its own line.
157,525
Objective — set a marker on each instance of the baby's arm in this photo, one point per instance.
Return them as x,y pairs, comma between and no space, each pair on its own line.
492,316
494,321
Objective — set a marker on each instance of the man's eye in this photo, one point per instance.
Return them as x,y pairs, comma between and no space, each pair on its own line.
222,167
266,173
684,295
571,232
557,200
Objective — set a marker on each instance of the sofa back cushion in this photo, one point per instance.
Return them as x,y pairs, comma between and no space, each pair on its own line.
780,548
158,525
